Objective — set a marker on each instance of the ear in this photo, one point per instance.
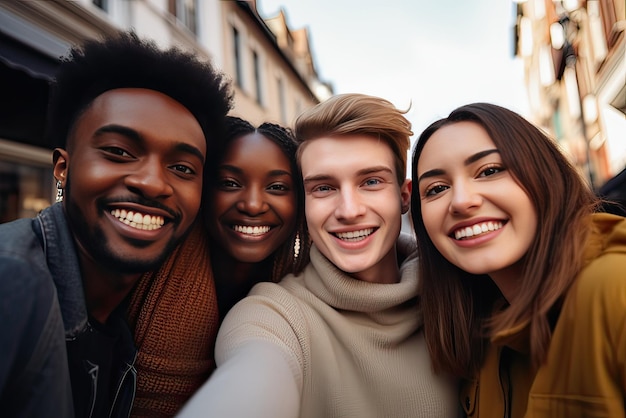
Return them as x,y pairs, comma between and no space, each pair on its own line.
61,162
405,195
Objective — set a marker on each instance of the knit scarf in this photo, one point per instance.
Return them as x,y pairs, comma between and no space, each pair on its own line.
174,314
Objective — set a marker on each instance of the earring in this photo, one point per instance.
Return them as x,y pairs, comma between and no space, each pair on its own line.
296,246
59,197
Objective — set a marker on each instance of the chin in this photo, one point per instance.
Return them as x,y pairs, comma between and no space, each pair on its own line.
250,258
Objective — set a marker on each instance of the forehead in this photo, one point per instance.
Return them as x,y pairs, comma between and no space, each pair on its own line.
255,149
345,153
146,111
457,140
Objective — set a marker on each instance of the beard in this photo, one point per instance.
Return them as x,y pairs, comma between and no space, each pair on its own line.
94,242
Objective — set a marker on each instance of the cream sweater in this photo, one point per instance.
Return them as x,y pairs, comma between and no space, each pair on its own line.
325,345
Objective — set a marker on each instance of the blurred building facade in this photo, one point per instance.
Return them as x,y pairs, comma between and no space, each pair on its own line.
271,68
574,54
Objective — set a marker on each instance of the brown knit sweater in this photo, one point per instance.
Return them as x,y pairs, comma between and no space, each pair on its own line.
174,314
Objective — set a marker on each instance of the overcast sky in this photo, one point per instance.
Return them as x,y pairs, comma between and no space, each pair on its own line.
431,55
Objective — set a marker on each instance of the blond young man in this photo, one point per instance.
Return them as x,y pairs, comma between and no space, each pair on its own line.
342,339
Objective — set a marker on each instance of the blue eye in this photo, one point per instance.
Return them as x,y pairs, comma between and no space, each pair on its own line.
372,182
322,188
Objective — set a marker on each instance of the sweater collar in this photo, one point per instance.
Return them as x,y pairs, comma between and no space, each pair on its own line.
341,291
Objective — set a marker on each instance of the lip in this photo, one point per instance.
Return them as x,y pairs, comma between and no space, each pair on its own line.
250,237
131,231
473,222
480,238
354,244
149,210
158,222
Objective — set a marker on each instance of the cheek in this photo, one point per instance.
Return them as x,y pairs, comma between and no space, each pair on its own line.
313,213
93,176
531,223
219,202
191,197
290,206
427,214
285,208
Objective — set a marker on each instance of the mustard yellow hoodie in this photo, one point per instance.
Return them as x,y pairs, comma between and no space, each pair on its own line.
585,371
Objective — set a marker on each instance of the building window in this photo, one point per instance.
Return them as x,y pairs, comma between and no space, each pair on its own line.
237,56
102,4
24,190
26,182
185,13
257,77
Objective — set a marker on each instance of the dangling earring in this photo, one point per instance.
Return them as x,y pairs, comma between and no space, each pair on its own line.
59,197
296,246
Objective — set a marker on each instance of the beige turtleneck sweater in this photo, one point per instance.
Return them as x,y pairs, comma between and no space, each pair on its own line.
323,344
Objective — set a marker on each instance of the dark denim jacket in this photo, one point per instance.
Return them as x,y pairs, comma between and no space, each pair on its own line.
34,374
54,237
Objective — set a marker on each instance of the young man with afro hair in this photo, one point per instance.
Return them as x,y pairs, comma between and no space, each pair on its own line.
133,125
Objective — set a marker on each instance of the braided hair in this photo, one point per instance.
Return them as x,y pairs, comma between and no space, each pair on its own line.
284,261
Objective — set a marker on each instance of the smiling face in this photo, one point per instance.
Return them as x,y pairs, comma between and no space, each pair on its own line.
474,211
253,203
353,204
132,175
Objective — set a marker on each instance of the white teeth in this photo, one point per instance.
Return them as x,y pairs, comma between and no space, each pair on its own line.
137,220
252,230
354,235
471,231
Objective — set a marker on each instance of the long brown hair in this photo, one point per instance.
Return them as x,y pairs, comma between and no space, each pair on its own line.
458,306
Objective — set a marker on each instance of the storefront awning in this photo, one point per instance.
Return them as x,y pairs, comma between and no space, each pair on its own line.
21,57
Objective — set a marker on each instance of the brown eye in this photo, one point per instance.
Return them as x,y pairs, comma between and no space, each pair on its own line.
116,151
434,190
490,171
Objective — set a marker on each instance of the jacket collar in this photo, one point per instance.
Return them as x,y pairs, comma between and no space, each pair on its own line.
62,260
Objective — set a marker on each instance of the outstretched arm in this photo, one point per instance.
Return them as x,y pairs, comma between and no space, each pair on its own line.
254,381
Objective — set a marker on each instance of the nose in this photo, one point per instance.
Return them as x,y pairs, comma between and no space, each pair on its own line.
252,202
465,198
150,180
350,205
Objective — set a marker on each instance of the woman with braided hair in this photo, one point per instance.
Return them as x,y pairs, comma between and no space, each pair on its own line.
253,209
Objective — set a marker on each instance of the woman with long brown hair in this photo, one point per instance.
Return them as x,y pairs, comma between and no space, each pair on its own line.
523,285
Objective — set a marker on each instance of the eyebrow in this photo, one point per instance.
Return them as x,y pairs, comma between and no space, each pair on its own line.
135,136
362,172
239,170
469,160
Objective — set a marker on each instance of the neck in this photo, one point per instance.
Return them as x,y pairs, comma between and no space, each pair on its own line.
228,269
386,271
104,289
508,280
234,279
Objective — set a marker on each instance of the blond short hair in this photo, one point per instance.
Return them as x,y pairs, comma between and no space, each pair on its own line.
357,114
